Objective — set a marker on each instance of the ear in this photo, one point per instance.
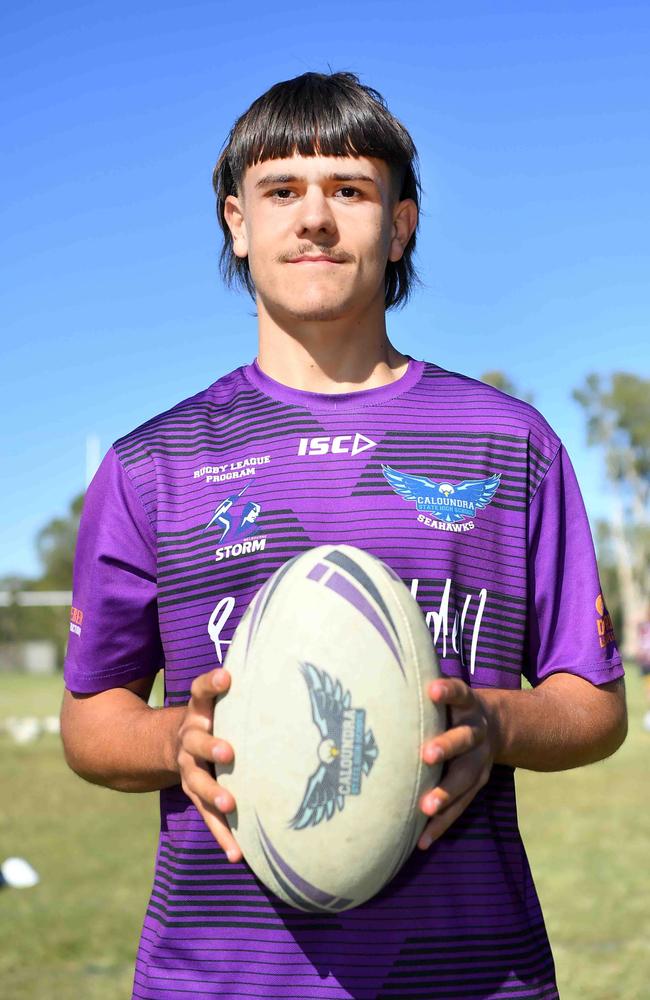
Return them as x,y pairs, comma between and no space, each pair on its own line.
405,219
234,215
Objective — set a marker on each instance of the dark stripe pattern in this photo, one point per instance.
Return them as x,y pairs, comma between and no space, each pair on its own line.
461,920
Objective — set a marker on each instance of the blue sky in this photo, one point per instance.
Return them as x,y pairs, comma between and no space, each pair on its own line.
532,124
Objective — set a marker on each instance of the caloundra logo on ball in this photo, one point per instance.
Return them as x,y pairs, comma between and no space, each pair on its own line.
347,750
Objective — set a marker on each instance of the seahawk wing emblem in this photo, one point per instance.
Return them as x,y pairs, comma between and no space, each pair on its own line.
444,501
409,487
479,491
329,704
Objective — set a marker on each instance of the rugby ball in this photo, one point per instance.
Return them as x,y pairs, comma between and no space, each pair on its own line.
327,713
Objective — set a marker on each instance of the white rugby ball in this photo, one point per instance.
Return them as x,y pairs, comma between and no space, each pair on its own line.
327,713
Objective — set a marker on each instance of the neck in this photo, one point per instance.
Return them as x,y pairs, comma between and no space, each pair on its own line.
328,356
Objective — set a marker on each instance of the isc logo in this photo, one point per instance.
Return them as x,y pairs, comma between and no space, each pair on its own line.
343,444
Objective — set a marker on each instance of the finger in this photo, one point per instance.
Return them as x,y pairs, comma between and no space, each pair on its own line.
206,687
199,784
202,746
455,741
220,830
440,824
463,773
451,691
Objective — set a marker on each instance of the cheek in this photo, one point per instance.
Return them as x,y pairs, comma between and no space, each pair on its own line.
374,232
261,252
261,232
373,254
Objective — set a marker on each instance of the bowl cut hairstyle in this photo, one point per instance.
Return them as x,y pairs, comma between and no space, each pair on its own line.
319,114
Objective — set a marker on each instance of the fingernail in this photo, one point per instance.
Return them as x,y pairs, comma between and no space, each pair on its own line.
435,755
432,806
425,841
232,854
220,802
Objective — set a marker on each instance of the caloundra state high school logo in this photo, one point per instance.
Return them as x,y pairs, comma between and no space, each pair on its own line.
347,750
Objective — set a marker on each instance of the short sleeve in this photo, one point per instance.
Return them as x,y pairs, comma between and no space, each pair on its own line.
568,628
114,635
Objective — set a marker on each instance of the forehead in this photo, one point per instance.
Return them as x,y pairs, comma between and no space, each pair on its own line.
317,169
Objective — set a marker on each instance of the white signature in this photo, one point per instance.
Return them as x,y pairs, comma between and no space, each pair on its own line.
437,620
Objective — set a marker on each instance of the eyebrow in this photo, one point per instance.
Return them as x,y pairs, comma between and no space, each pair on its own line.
269,179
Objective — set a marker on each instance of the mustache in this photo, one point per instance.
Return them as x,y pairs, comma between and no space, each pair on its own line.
308,249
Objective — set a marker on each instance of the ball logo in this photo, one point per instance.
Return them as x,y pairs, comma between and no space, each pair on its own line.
347,750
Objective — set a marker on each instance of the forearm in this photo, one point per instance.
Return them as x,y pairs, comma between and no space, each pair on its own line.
565,722
115,739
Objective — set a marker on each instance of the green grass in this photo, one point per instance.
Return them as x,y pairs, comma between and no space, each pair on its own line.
74,936
23,695
587,833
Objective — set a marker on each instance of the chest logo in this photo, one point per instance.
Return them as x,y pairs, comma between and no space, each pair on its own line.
446,506
236,529
343,444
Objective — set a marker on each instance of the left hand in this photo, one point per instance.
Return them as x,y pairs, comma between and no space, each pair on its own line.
468,746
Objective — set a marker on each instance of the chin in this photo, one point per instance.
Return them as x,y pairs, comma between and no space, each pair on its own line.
314,313
314,308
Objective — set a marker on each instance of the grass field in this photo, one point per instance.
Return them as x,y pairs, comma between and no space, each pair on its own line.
73,937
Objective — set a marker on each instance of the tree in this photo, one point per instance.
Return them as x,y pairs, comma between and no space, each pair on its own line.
55,544
608,569
618,422
503,382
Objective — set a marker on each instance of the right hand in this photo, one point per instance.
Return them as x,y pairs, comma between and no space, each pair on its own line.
197,748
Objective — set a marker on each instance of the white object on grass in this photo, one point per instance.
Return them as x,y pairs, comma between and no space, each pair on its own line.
24,730
51,725
18,874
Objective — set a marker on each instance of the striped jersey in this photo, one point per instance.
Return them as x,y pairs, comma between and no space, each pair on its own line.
470,497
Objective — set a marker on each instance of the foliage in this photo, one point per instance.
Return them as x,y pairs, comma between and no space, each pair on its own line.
55,545
609,574
503,382
618,422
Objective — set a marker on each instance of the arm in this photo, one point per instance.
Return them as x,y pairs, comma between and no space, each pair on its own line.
565,722
115,739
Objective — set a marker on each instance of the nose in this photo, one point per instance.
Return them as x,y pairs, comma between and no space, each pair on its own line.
315,214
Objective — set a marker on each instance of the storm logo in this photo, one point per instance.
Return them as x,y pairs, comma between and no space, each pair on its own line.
236,534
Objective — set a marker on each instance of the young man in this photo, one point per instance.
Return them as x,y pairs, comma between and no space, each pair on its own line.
465,492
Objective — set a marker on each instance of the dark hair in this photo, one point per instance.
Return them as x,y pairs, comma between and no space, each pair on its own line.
318,114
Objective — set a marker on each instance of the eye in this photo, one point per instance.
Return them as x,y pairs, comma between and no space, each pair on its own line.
349,193
283,194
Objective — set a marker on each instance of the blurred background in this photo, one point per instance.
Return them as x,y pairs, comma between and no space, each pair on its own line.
533,127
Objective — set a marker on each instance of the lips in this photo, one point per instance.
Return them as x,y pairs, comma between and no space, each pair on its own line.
314,260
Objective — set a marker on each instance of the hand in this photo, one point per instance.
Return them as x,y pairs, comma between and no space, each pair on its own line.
197,749
468,745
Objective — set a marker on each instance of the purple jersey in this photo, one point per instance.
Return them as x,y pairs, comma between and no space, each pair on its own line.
468,495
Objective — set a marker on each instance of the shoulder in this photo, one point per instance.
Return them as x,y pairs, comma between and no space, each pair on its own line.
146,460
510,434
485,409
184,418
